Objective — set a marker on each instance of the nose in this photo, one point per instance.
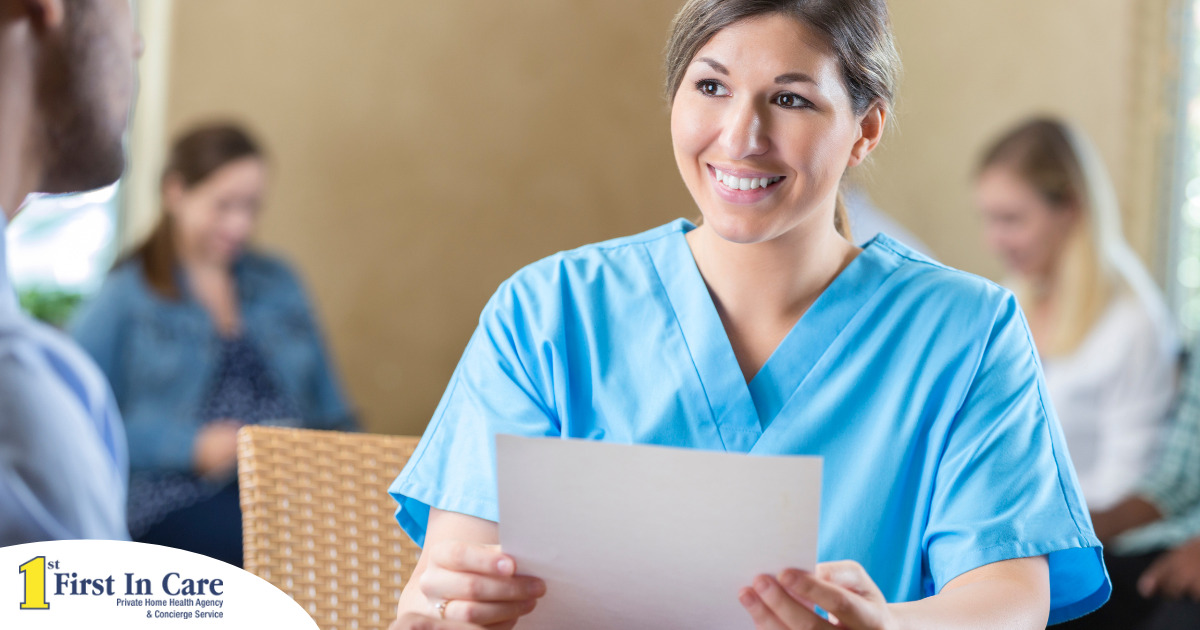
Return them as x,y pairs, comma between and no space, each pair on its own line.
745,132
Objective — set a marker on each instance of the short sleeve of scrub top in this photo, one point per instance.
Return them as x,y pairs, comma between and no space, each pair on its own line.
917,384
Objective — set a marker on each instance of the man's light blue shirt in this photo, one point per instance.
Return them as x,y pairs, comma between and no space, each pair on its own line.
63,457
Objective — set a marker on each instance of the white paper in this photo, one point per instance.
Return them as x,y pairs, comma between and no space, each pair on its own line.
630,537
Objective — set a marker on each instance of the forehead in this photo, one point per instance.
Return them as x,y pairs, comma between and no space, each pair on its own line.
771,44
1001,183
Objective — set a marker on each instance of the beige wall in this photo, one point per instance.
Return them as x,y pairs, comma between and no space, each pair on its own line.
972,68
426,150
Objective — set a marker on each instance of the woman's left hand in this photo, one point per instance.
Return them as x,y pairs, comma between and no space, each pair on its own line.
843,589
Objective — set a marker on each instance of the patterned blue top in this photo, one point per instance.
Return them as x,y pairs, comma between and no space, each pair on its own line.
243,390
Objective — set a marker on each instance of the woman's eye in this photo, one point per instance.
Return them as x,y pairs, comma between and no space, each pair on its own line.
788,100
708,87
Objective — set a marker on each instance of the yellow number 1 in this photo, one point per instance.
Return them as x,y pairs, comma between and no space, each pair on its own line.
35,584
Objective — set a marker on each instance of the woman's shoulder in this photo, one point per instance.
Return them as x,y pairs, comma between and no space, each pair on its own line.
1138,321
596,275
125,282
267,273
624,256
931,284
265,263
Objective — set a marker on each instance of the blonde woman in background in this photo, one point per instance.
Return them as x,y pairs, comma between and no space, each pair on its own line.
1106,340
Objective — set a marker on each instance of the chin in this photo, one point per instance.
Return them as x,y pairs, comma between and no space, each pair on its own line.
81,163
746,227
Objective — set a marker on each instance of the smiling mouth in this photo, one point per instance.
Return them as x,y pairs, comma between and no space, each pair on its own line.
744,183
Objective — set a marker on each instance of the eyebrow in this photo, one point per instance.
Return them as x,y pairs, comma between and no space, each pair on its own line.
716,65
783,79
794,77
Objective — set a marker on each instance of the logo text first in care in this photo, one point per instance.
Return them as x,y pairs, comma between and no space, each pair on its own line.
70,584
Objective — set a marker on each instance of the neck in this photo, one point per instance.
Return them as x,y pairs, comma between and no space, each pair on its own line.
204,270
776,279
193,261
1043,288
20,168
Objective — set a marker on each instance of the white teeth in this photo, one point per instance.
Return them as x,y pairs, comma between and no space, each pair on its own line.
743,183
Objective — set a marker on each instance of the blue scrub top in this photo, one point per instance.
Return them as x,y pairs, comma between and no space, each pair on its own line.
917,383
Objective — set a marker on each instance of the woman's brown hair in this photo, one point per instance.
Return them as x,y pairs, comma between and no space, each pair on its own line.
194,157
859,32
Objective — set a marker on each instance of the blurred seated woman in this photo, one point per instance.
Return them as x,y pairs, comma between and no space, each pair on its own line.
1109,348
199,335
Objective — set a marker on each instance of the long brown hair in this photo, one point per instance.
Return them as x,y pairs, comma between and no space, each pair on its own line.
858,31
194,157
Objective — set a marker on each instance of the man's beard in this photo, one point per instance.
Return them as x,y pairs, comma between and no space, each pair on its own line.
81,145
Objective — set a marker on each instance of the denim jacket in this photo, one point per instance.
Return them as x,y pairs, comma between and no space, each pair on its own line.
161,356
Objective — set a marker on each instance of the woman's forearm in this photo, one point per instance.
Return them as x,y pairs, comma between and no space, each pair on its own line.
1013,596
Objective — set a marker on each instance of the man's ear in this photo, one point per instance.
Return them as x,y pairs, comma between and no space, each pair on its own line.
46,15
871,127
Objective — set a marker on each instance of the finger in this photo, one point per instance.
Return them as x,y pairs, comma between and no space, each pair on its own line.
1148,584
473,558
764,618
849,607
1186,579
852,576
1193,588
792,612
488,613
413,621
440,584
1172,583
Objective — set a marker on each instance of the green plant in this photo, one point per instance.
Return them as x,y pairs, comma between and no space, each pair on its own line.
53,306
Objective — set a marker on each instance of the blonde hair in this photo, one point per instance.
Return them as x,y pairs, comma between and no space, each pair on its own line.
1096,264
858,31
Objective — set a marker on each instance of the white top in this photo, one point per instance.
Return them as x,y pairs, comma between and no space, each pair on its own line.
1114,395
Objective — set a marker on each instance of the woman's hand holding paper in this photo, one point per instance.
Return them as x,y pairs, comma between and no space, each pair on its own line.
788,601
478,583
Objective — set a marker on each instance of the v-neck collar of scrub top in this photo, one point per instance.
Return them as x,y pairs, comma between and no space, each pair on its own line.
744,411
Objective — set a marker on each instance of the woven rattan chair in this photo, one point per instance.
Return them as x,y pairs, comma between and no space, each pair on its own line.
317,521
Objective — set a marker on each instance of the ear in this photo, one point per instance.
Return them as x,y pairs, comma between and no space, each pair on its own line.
870,129
46,15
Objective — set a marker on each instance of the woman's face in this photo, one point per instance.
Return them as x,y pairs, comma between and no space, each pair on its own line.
215,218
763,129
1021,226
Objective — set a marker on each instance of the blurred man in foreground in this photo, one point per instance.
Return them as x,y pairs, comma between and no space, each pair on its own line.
66,85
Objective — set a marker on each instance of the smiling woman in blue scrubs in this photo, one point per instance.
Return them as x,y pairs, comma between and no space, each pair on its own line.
949,499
